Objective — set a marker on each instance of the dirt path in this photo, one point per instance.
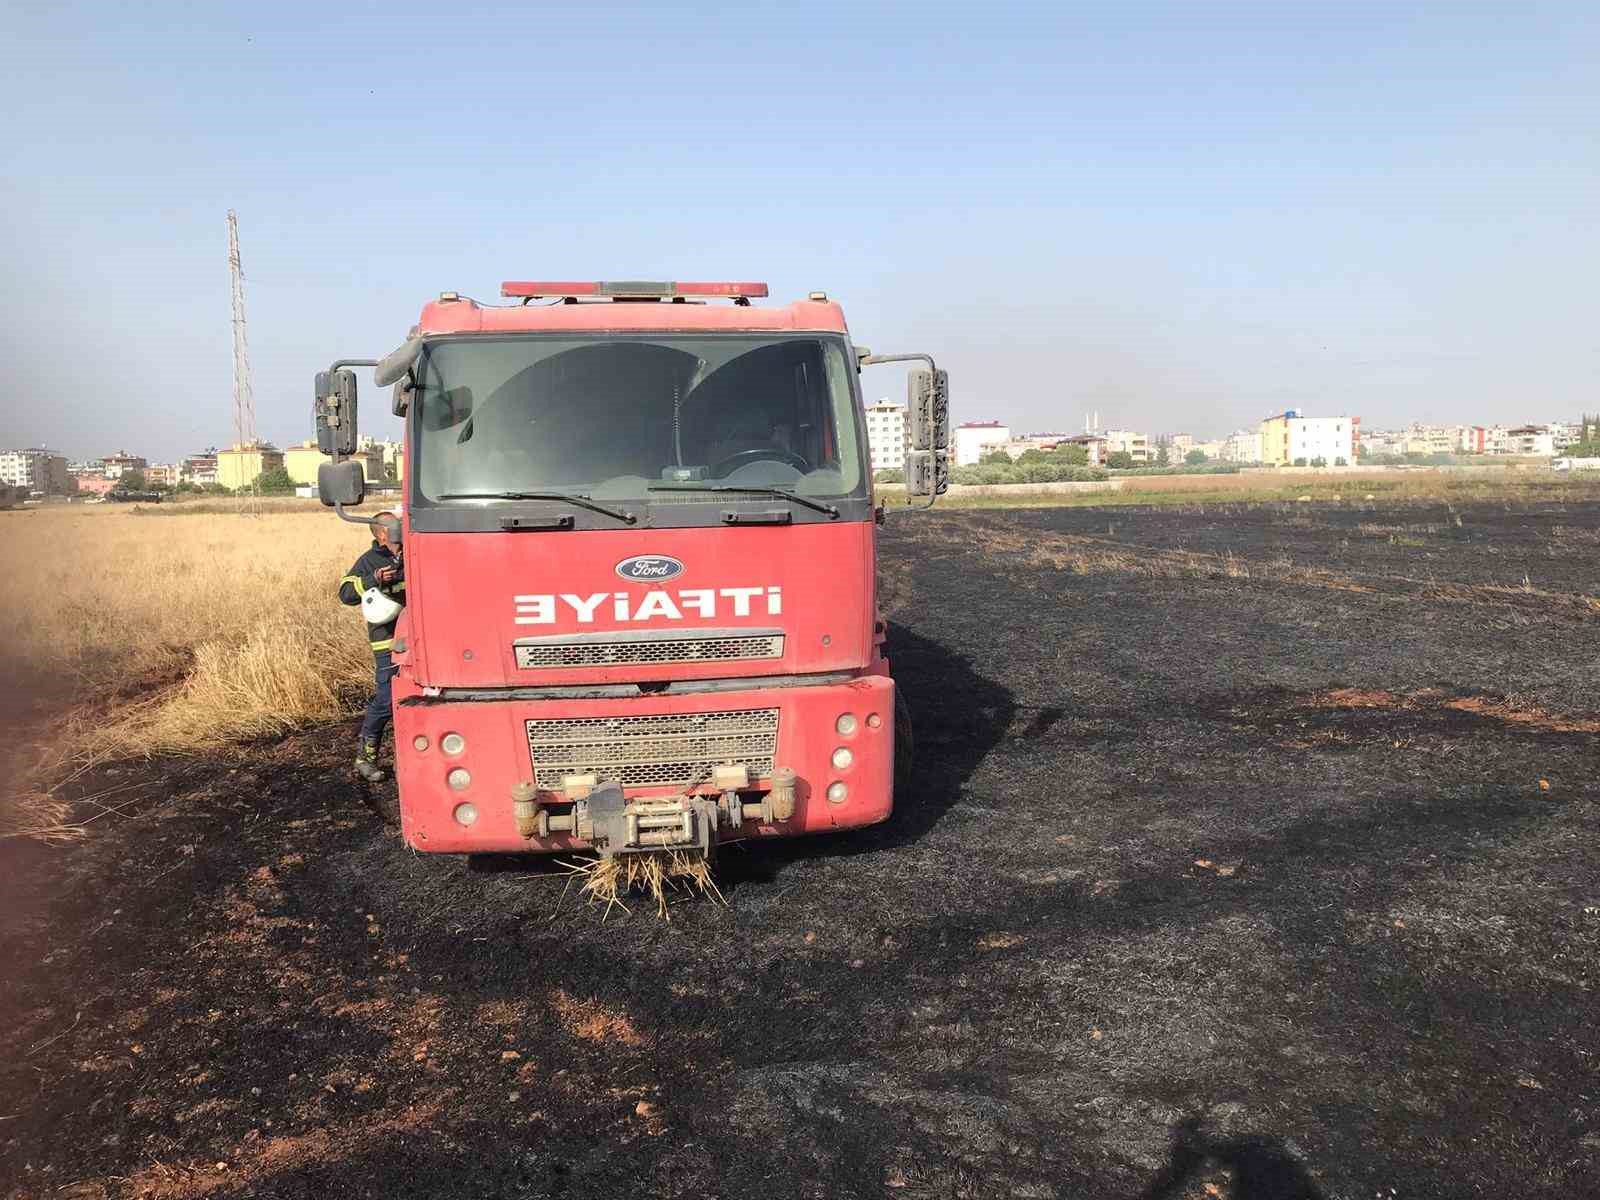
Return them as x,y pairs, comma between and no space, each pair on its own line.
1219,885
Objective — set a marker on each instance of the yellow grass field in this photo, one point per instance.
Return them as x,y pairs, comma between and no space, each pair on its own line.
176,628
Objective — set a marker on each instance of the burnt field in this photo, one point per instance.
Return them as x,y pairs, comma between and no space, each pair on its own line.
1250,852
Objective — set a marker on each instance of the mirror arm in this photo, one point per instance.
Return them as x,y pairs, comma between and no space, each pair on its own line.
872,360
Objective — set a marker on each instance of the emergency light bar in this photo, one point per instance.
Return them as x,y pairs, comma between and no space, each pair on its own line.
629,290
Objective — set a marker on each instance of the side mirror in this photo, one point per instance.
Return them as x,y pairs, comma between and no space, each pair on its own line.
341,483
928,410
335,413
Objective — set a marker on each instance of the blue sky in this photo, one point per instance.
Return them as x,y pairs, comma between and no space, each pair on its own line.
1182,215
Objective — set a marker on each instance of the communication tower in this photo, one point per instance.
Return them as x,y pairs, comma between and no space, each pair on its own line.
244,402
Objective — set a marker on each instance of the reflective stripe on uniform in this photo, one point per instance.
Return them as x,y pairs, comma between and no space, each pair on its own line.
383,645
354,581
399,587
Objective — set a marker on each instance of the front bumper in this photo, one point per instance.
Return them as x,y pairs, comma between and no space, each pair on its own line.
475,813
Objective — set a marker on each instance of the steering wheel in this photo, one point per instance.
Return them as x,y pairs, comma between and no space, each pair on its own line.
725,467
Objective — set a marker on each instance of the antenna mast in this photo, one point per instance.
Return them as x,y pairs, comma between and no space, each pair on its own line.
244,402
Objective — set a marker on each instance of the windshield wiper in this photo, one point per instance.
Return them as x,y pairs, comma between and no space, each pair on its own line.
578,498
818,505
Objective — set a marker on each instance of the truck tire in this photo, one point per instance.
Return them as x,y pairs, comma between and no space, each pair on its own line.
903,750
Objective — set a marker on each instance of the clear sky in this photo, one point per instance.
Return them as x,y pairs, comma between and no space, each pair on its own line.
1183,215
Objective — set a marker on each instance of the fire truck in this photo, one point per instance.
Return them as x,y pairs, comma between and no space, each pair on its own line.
638,528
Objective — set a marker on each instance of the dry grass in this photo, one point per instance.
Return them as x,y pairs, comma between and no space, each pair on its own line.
177,634
654,874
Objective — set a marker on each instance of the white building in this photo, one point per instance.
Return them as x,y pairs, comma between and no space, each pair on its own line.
1241,446
973,438
1530,439
1325,438
1126,441
886,435
35,470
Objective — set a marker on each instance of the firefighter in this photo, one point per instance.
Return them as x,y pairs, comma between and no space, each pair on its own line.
377,582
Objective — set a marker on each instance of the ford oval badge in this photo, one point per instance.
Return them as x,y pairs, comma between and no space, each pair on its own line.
649,568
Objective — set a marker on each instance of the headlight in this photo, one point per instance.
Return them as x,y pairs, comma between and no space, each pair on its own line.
452,743
459,779
837,793
466,814
842,758
846,725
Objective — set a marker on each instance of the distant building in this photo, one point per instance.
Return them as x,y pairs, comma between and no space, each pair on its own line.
1243,446
1530,440
388,453
886,436
36,470
302,461
94,485
1564,434
199,469
118,464
163,475
1093,444
1290,437
1016,447
1126,441
241,464
972,438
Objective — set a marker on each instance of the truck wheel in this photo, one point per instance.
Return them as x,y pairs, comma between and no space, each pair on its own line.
903,748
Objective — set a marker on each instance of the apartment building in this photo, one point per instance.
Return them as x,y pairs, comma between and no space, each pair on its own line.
1126,441
886,435
242,463
120,463
1290,437
302,461
971,439
36,470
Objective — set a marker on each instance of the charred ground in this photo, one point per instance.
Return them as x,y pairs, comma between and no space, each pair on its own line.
1251,851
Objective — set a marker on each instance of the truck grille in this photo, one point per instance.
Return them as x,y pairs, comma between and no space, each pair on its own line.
675,650
673,748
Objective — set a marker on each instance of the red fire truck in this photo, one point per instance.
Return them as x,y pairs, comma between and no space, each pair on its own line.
639,536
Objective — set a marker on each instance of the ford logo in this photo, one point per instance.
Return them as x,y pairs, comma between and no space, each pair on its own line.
649,568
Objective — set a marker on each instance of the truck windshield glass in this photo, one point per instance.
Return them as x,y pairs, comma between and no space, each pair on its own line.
613,417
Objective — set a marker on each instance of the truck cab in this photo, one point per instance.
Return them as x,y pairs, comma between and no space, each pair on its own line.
639,540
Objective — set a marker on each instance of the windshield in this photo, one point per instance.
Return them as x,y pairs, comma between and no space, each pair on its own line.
612,417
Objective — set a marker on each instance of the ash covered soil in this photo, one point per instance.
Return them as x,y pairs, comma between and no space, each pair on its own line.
1249,852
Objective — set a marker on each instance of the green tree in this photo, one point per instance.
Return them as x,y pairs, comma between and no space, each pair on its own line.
1299,462
997,457
1163,455
131,481
1340,462
1119,460
1072,455
1195,457
1319,461
275,482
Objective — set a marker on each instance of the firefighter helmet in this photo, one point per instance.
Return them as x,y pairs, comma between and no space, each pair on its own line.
377,608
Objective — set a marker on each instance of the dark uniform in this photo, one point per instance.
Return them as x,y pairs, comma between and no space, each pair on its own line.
360,577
